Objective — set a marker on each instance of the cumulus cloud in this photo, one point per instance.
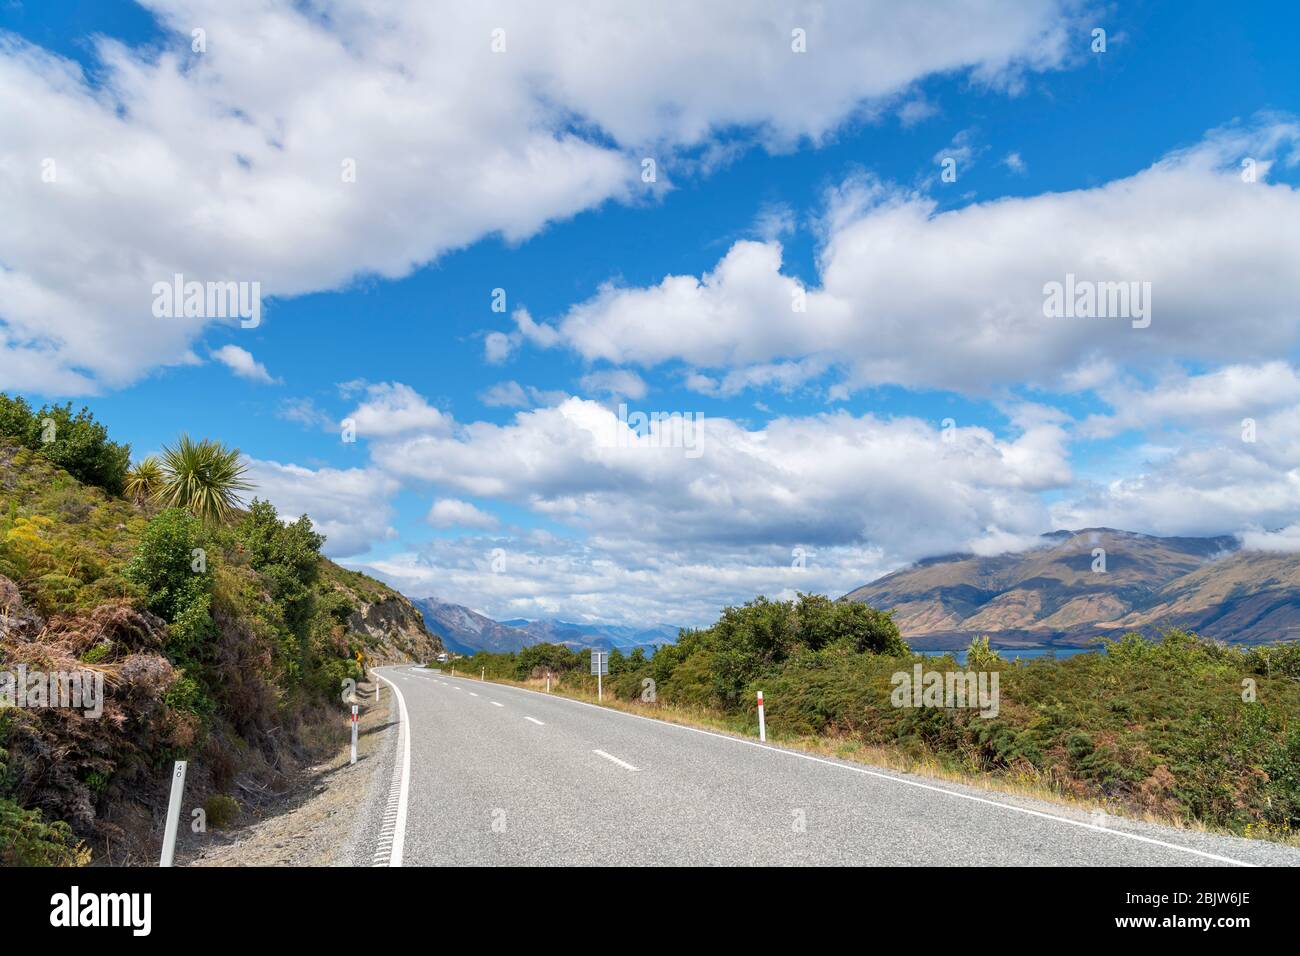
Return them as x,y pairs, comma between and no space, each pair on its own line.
1226,395
642,530
454,513
241,362
1219,479
913,296
393,408
899,485
539,574
225,165
350,506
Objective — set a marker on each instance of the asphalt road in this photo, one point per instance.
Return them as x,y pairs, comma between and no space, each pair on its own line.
499,775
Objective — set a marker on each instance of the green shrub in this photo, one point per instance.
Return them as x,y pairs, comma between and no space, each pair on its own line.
76,443
981,657
164,565
170,569
27,840
220,810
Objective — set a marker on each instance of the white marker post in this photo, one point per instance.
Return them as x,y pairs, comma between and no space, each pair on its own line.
762,724
376,690
173,814
599,667
548,682
482,673
354,733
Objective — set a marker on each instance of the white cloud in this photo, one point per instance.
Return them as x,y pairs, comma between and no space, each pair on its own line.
962,151
893,485
774,221
615,382
236,163
393,408
913,296
350,506
241,362
1284,539
454,513
1211,482
1224,396
1014,162
304,412
916,110
505,395
548,576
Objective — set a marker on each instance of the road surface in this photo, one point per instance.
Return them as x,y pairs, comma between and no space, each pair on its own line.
500,775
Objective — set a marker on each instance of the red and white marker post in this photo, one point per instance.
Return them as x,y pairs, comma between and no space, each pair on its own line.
762,723
354,733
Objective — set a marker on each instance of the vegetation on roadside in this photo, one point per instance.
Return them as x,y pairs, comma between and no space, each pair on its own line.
222,633
1180,728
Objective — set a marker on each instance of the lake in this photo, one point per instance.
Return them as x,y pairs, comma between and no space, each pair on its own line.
1022,653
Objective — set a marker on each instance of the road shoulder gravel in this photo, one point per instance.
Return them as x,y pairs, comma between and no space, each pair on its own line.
330,816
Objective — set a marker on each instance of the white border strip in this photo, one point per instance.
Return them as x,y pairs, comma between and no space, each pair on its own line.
404,786
911,783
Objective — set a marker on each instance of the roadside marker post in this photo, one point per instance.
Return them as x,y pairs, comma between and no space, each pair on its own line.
354,733
482,673
600,667
762,724
173,813
548,682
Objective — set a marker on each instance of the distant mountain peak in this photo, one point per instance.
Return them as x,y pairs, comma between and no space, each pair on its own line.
466,631
1070,595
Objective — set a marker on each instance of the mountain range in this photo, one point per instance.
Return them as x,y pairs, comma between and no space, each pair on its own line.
1070,589
1066,592
466,631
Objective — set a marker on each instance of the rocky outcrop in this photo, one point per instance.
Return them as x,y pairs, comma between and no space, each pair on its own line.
393,630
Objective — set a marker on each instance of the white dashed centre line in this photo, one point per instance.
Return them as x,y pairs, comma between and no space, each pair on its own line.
622,763
536,721
495,704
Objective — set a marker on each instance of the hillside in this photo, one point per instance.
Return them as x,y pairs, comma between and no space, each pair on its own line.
466,631
243,678
1051,596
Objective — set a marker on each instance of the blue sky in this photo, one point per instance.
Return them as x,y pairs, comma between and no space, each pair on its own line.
520,171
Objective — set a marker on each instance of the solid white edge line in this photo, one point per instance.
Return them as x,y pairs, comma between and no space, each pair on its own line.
399,830
911,783
622,763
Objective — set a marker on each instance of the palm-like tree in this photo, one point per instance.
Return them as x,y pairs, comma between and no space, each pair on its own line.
203,476
144,481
